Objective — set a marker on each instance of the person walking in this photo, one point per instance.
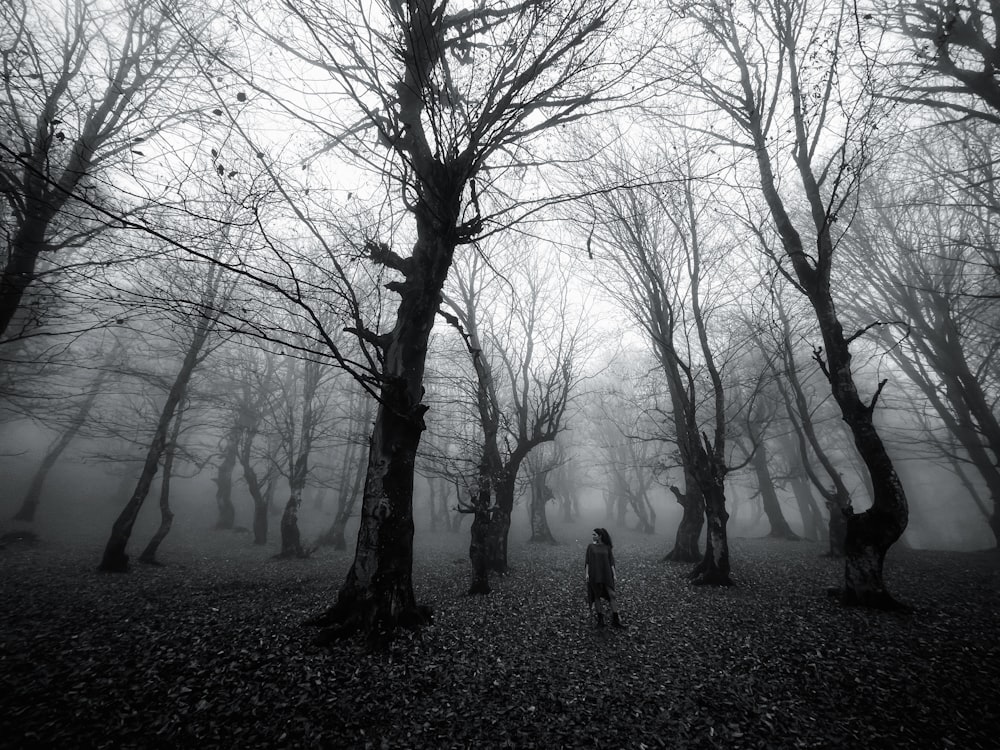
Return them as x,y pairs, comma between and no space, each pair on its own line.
599,571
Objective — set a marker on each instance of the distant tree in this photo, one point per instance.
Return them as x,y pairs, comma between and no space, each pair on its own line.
148,555
93,389
539,466
525,362
357,419
954,56
802,418
203,316
758,422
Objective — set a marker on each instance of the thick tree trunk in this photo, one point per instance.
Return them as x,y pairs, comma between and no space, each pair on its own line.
377,595
479,533
686,542
714,567
540,497
26,247
838,512
291,539
496,547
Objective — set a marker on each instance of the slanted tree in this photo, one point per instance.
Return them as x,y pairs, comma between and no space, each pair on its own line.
29,505
204,316
758,68
148,555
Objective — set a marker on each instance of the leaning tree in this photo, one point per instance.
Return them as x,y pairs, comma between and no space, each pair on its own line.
791,84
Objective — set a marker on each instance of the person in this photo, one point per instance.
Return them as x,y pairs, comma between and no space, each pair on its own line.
599,571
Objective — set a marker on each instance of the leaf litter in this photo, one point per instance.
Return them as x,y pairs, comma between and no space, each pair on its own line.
213,653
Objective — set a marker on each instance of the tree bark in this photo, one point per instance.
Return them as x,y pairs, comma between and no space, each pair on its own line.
148,555
769,499
714,567
687,547
479,534
291,539
540,497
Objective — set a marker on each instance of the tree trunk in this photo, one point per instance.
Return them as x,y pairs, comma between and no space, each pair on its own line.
25,248
377,595
291,540
641,507
714,566
34,494
769,499
496,547
115,560
686,543
812,522
479,533
224,481
148,555
540,497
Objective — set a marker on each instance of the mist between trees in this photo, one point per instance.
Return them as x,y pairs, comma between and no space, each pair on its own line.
293,268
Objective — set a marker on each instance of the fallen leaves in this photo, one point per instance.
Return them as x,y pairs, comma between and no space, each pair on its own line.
214,654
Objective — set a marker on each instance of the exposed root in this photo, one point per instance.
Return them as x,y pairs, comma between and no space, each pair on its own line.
341,622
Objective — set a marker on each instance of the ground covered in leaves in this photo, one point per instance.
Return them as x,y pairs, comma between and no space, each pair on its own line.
210,651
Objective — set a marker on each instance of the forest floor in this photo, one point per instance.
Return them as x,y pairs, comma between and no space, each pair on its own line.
210,651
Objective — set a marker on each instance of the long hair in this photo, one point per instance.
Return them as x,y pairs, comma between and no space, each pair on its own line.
604,536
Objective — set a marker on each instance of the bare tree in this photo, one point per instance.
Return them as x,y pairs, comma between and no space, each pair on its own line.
204,316
525,362
83,89
953,63
444,103
760,68
652,243
929,261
